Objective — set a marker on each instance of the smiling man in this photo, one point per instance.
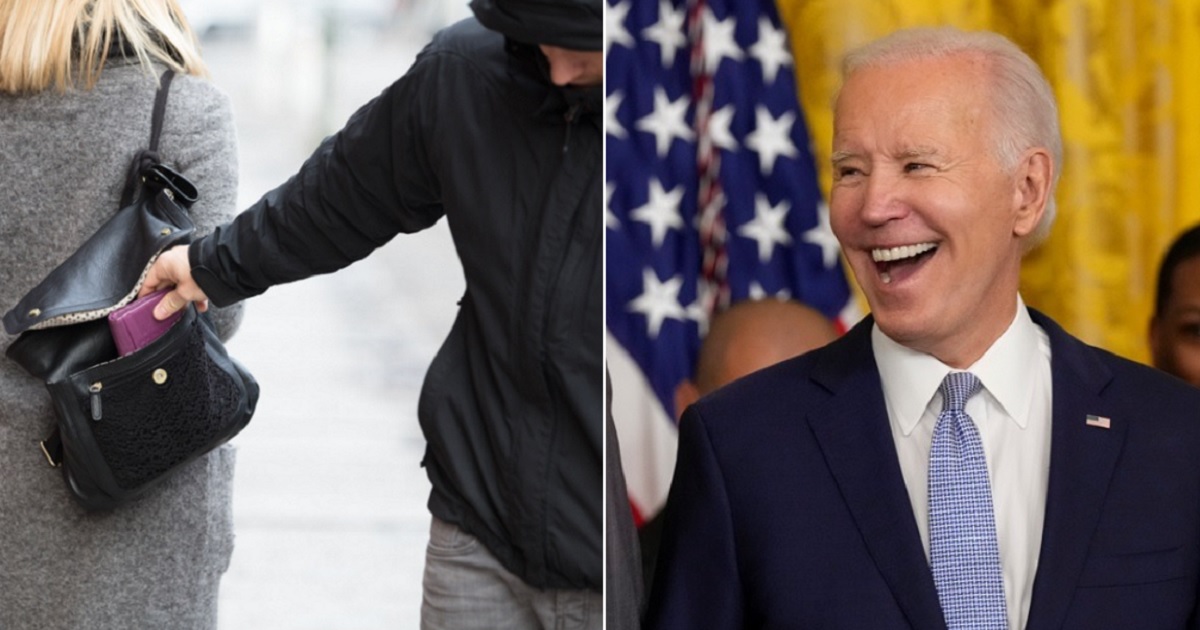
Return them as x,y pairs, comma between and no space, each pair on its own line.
956,460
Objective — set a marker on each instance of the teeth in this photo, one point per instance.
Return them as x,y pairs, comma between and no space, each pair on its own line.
901,252
886,277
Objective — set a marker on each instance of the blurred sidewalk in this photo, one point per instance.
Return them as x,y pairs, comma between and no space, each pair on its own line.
329,497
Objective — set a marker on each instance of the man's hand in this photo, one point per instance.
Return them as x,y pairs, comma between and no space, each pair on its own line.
172,269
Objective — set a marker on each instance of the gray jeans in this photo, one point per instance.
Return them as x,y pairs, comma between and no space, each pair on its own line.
466,588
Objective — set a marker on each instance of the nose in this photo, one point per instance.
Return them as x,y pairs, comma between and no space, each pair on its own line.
562,71
882,200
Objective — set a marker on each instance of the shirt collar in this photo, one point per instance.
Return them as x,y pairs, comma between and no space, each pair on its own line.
911,378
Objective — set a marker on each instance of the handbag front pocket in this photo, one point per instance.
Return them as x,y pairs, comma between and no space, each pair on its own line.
128,422
170,404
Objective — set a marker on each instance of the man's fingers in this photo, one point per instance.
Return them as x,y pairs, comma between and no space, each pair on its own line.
169,305
175,301
172,270
153,282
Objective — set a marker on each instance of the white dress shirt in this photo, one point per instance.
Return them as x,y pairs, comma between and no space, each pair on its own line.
1012,413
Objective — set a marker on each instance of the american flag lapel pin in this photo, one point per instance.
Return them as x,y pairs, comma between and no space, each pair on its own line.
1099,421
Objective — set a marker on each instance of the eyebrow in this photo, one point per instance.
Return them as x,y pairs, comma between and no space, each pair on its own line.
915,152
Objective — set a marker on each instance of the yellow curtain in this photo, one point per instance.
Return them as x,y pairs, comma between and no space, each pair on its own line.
1127,77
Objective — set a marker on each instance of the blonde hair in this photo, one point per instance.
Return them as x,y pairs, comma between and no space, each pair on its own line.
65,43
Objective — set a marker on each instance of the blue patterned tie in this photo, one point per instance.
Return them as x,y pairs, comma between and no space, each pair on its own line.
962,529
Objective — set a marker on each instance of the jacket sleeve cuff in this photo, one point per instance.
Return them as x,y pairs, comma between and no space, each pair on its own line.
218,292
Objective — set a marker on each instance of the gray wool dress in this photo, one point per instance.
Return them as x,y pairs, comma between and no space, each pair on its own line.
155,564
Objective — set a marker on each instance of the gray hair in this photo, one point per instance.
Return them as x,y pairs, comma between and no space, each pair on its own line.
1024,104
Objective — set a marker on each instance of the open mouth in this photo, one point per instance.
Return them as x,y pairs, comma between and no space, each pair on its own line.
894,263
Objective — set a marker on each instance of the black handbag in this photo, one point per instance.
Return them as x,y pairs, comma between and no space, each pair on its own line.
124,423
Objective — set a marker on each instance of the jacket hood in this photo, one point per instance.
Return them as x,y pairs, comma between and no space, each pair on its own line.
573,24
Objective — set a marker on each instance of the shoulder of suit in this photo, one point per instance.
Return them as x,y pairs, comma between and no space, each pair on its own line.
1130,378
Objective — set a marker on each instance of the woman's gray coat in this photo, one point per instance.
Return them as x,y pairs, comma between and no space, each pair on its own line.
157,563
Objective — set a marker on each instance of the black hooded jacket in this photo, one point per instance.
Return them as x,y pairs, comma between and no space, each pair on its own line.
511,406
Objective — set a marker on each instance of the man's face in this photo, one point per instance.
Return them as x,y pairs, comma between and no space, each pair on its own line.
580,68
1175,332
929,220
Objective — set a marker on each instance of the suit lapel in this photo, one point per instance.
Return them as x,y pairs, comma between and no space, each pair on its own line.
1082,460
854,434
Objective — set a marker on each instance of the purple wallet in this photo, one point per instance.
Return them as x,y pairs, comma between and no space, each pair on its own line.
134,327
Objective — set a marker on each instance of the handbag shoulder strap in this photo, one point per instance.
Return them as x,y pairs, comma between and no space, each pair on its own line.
160,108
149,157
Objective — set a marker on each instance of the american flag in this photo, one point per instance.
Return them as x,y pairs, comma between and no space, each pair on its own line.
711,198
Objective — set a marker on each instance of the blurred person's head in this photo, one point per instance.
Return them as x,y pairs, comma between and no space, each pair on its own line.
749,336
945,151
1175,326
569,34
65,44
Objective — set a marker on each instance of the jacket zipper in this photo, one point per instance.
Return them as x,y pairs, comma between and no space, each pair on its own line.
572,113
556,404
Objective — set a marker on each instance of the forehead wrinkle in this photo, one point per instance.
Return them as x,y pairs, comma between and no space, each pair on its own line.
842,156
917,151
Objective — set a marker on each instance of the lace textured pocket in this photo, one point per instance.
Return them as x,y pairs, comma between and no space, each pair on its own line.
126,423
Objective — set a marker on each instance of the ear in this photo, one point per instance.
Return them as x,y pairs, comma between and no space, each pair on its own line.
686,393
1033,177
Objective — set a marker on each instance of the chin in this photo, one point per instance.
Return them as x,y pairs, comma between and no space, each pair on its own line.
904,326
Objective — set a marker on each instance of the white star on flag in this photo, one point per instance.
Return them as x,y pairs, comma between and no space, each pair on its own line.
767,226
667,122
661,211
667,32
658,301
771,138
771,49
614,27
718,41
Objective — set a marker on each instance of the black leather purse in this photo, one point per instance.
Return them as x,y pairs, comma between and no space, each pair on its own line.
124,423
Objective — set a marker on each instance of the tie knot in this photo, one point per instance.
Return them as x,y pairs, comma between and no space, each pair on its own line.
957,388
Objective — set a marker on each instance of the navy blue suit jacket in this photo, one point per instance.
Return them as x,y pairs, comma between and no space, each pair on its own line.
788,508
